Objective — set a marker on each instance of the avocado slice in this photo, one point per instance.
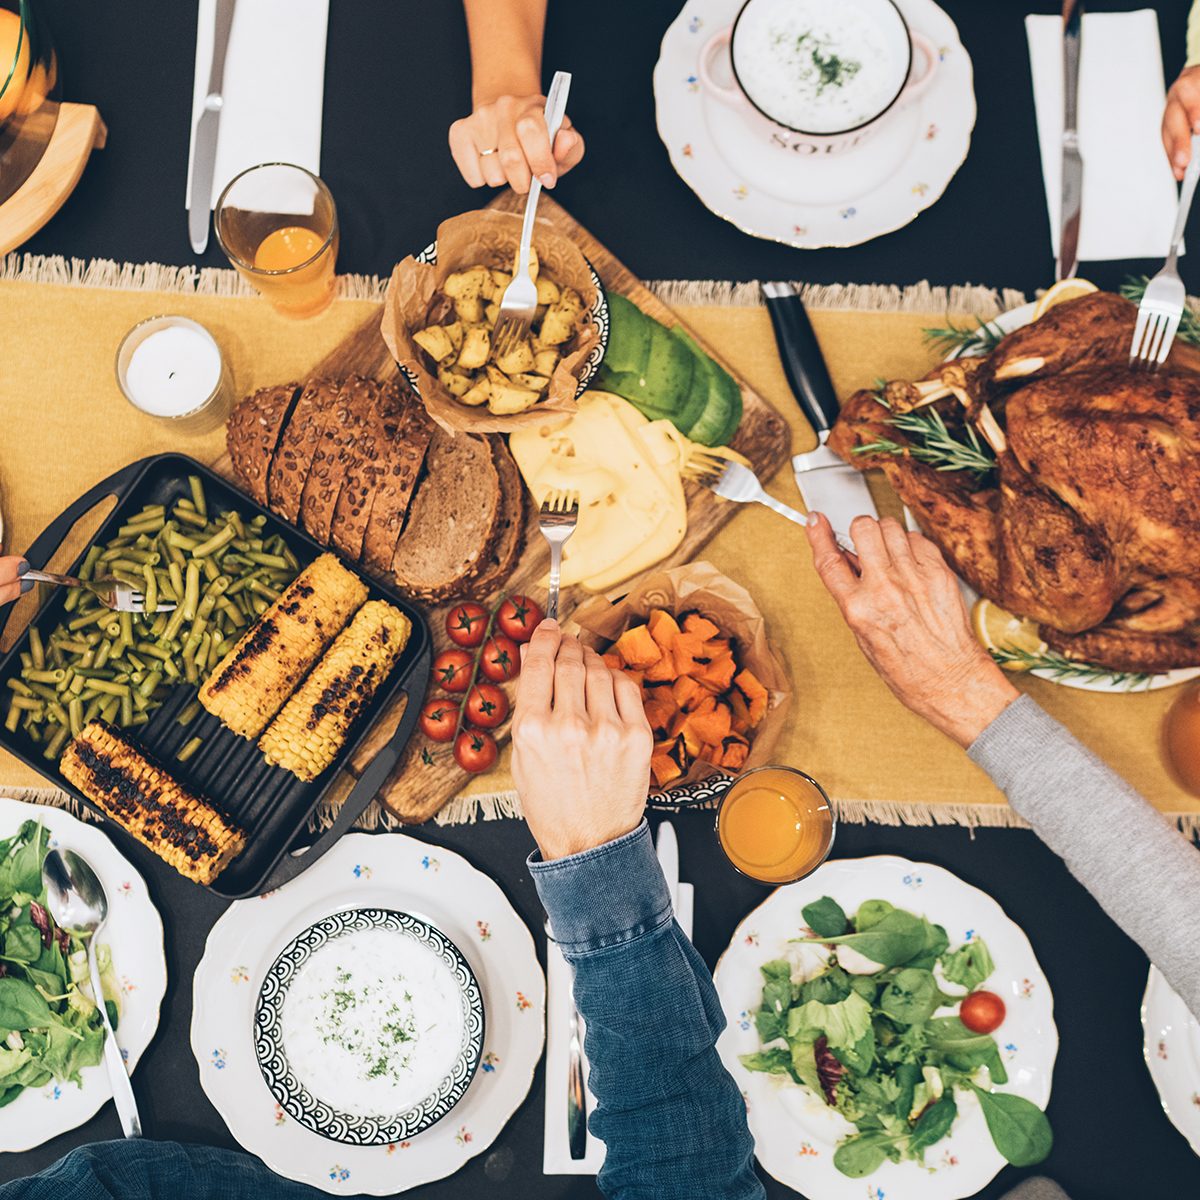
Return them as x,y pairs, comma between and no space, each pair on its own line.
722,412
629,334
662,384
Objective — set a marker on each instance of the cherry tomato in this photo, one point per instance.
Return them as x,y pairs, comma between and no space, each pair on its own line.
466,624
981,1012
518,617
452,670
487,706
501,659
439,719
475,750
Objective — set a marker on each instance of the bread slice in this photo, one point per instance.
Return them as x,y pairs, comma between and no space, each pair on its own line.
253,433
406,431
324,483
293,458
453,520
496,568
363,463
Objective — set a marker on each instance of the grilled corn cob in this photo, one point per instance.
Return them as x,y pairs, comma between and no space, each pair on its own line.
253,680
182,829
314,724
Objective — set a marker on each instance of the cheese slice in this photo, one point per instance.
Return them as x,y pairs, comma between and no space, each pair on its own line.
632,511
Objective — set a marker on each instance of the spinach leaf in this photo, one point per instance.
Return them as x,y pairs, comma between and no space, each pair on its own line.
22,944
10,1094
773,1062
22,1006
843,1023
11,1061
864,1154
965,1050
771,1018
829,987
911,997
860,1057
934,947
825,917
1018,1127
113,1016
871,912
933,1124
969,965
25,866
866,986
893,939
907,1076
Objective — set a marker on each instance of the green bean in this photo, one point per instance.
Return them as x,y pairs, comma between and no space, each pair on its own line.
126,709
151,601
89,562
13,719
198,497
189,748
71,602
171,670
173,626
149,685
18,686
36,676
202,652
77,683
93,618
134,661
71,645
214,543
139,558
268,593
134,581
152,650
259,605
57,713
92,711
179,541
36,648
191,591
44,692
190,518
189,714
268,560
109,687
27,703
175,574
26,660
55,744
75,716
209,568
292,562
148,525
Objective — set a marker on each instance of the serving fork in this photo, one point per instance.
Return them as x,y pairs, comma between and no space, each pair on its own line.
1165,297
518,305
112,593
557,519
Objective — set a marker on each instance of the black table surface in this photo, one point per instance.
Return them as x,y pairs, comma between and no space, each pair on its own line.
396,76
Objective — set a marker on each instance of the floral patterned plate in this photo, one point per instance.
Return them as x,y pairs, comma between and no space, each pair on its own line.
1172,1047
135,934
741,173
391,871
795,1133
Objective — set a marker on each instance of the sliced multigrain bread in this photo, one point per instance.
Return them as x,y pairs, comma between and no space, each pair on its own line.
293,458
364,463
324,483
406,431
253,433
453,520
497,567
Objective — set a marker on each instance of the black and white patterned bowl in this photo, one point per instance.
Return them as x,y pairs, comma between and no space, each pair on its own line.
297,1100
600,318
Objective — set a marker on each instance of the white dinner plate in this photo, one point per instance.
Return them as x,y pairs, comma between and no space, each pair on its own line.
730,161
796,1134
1171,1041
391,871
134,934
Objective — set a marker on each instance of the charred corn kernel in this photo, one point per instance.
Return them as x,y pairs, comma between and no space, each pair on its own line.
313,727
181,828
249,686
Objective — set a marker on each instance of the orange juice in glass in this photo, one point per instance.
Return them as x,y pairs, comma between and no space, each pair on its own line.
775,824
278,225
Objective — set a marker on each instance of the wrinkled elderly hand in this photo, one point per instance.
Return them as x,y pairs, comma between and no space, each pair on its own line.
905,610
1181,119
11,585
506,141
581,746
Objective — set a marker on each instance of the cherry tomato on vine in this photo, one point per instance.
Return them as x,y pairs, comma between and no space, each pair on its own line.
452,670
439,718
475,750
982,1012
487,706
501,659
466,624
518,617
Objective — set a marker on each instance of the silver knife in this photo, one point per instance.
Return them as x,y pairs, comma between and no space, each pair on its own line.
204,147
827,483
1072,162
666,846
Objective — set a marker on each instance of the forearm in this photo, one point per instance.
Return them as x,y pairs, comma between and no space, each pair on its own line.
1140,869
506,47
670,1115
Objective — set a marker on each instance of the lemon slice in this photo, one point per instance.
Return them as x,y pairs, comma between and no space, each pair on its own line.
998,629
1064,289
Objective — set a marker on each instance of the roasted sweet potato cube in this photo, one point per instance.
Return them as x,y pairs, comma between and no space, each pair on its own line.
711,727
660,712
686,691
688,652
741,713
662,671
669,761
663,629
637,648
614,660
693,622
717,675
755,695
734,750
710,754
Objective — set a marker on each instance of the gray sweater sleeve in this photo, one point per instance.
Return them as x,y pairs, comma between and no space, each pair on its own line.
1142,871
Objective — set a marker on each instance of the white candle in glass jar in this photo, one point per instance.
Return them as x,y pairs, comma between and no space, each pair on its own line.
170,367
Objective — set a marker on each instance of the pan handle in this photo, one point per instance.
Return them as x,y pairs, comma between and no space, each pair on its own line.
369,782
119,483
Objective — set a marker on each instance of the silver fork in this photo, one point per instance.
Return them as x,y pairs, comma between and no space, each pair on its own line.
1165,297
112,593
518,305
557,519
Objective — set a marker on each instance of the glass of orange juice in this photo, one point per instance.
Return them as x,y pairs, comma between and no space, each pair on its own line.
775,824
278,225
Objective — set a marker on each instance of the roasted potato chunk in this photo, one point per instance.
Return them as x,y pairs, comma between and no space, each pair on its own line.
435,341
457,383
470,312
476,349
465,285
518,359
511,398
544,361
480,393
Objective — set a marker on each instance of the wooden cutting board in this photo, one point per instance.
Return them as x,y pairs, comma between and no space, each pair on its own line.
427,777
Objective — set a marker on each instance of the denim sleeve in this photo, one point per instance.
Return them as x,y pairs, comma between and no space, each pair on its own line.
670,1115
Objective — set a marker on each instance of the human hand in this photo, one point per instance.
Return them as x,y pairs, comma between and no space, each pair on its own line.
906,613
1181,119
506,141
11,583
581,746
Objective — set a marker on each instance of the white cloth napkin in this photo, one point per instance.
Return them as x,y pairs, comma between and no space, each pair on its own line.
274,85
556,1153
1129,193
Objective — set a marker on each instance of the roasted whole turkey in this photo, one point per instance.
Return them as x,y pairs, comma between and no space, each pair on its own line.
1090,522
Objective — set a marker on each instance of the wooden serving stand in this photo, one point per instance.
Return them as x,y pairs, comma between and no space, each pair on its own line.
78,132
418,789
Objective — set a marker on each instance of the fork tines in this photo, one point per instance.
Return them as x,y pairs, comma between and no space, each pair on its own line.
507,333
1154,334
560,502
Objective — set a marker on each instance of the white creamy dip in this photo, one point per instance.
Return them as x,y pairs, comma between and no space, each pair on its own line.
821,66
372,1023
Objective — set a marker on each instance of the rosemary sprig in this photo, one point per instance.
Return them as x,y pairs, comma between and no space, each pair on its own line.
1058,666
957,341
936,445
1134,288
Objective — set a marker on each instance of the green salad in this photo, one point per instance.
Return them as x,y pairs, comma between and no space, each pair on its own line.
862,1033
50,1027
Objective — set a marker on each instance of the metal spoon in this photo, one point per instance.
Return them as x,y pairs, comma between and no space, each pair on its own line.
76,899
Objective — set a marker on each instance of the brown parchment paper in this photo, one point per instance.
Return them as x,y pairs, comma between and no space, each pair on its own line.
490,238
702,587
